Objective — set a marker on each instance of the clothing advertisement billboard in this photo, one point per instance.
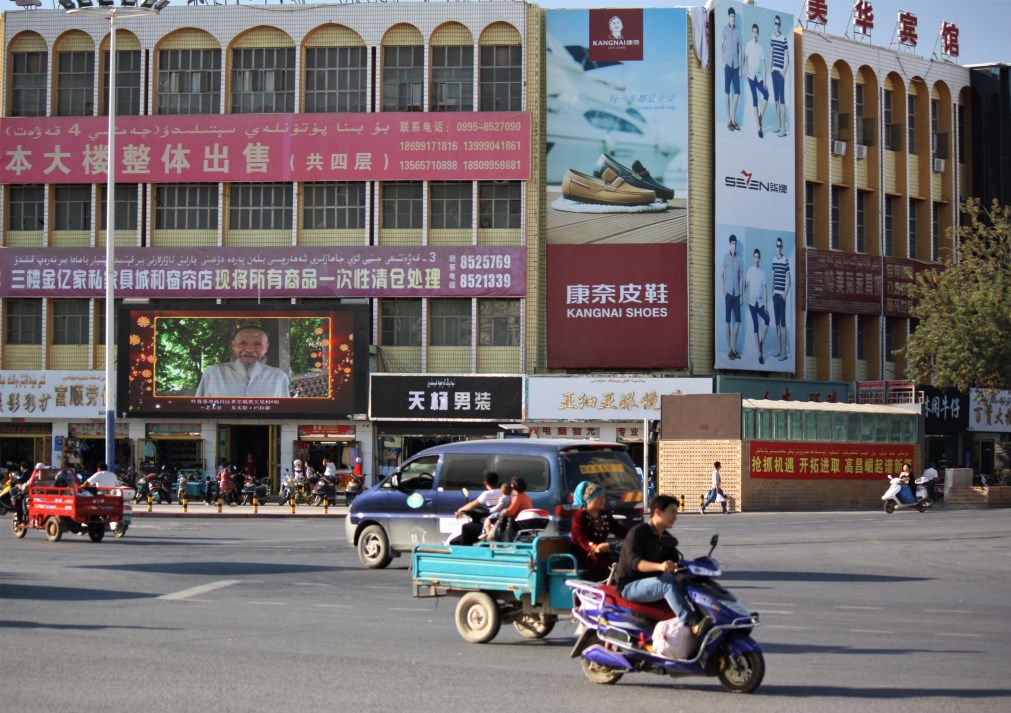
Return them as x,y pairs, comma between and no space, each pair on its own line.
755,241
617,306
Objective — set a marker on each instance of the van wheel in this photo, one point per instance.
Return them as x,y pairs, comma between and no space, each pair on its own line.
374,547
478,618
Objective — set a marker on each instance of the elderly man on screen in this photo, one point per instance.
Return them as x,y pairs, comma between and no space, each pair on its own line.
246,375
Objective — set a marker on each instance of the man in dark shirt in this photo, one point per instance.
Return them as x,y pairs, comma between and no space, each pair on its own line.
649,559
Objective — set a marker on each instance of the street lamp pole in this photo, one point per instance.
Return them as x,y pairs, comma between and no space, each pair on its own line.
111,9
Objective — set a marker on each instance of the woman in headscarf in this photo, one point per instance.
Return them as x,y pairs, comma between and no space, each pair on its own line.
592,523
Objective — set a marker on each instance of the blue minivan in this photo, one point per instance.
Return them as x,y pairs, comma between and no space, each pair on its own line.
417,502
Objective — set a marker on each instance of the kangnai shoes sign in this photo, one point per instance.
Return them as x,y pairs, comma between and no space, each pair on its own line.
616,35
471,271
384,146
827,461
618,306
434,397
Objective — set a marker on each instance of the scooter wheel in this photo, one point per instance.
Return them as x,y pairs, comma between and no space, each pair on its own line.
599,673
741,674
889,506
120,531
923,505
535,626
18,530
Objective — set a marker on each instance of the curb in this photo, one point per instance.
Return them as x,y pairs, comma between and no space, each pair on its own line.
230,514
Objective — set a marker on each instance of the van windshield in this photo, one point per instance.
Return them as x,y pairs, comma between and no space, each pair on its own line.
613,470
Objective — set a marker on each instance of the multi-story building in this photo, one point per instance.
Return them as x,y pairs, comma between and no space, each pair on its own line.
330,141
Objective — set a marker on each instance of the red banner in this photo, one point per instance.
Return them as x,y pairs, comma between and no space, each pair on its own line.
618,306
837,282
827,461
377,146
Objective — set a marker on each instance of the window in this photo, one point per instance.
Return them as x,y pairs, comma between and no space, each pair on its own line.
859,123
73,207
961,134
28,83
834,240
263,80
335,80
126,206
189,82
24,321
402,205
889,226
75,83
501,78
809,214
100,319
809,106
403,75
450,323
260,206
400,323
128,91
861,349
889,341
186,207
452,205
911,122
498,323
333,206
499,204
809,337
26,207
419,474
452,78
833,328
935,230
893,131
70,321
912,229
833,107
861,217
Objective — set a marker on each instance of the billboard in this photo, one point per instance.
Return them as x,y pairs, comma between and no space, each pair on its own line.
243,361
827,461
616,162
617,306
185,273
436,397
386,146
755,240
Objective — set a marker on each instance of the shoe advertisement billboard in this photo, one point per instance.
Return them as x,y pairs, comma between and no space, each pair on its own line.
755,241
617,178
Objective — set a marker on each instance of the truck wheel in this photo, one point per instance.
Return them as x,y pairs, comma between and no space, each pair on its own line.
478,618
374,547
54,529
535,626
17,530
96,532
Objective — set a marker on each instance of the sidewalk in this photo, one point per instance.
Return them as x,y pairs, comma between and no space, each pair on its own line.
196,508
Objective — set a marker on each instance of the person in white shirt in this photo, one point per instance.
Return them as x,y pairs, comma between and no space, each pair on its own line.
757,290
248,374
103,478
483,503
754,61
715,491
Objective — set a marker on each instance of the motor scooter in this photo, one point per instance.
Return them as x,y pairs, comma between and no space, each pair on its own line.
616,636
899,495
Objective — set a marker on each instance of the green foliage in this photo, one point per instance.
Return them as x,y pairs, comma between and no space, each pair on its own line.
963,337
187,345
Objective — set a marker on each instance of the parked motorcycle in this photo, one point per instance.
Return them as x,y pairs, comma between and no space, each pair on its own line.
293,487
353,486
325,488
616,636
155,486
899,495
255,487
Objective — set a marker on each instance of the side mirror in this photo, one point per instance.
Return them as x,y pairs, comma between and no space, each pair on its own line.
712,544
395,480
466,493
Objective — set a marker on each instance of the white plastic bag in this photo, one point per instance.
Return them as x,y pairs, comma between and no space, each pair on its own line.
672,639
719,497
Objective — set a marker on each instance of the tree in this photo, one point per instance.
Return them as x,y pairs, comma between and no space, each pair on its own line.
963,337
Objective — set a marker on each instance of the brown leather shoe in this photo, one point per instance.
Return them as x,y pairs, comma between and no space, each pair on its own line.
579,187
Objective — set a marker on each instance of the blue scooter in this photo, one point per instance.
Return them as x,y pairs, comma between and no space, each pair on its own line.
615,636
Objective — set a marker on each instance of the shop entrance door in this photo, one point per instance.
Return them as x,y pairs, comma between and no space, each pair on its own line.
240,444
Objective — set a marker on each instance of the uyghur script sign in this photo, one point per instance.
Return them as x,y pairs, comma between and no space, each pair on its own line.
377,146
51,394
472,271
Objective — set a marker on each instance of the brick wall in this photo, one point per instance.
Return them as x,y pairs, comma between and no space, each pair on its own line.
976,497
686,468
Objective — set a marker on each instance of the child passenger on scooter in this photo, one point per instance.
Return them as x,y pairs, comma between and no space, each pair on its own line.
496,512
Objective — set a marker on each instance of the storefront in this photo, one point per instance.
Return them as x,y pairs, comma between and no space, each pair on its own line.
990,425
620,409
336,442
84,446
411,412
946,427
175,444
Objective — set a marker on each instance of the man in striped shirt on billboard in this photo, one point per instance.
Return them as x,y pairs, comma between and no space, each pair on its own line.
781,284
780,63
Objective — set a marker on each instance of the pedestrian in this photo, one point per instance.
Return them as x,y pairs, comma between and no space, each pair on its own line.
715,493
210,488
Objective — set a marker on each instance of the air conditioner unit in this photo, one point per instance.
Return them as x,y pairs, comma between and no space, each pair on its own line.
861,151
839,148
938,165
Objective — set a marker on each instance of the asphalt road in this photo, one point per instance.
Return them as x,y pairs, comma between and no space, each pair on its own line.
860,612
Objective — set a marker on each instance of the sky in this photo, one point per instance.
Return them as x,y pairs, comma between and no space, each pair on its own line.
983,25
